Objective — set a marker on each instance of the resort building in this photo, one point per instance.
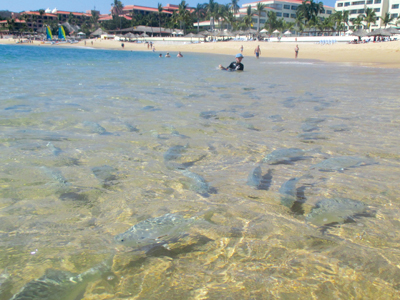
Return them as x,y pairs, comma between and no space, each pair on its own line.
285,9
35,20
15,24
381,7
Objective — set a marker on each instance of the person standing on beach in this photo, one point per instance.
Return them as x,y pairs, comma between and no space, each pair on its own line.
235,65
296,51
257,51
241,49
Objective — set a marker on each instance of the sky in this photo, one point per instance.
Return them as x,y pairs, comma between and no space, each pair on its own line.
102,5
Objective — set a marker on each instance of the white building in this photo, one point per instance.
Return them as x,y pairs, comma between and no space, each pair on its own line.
381,7
285,9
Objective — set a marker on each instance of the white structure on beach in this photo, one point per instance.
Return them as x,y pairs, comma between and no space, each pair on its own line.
381,7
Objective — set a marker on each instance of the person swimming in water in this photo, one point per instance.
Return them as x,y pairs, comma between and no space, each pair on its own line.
235,65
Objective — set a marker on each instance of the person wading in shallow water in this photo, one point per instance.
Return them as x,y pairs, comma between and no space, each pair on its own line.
296,51
235,65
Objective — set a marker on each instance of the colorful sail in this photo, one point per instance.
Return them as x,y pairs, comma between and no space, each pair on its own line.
48,32
61,33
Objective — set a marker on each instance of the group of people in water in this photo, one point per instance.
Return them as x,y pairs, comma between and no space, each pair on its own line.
167,55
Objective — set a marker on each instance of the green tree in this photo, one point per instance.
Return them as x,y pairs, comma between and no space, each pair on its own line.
387,19
94,18
160,9
369,17
234,6
300,21
230,18
272,21
183,15
358,22
117,7
199,12
212,11
339,20
260,8
309,9
248,18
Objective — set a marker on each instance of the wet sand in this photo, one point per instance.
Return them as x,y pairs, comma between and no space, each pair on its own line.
383,55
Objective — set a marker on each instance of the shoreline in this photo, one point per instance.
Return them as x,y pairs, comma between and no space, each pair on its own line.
379,55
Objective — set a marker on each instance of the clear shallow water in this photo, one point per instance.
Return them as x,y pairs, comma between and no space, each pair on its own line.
55,213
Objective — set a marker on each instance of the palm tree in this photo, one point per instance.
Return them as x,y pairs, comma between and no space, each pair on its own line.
271,23
387,19
199,12
234,6
260,8
210,7
160,9
94,18
248,18
230,18
369,17
309,8
339,19
183,15
117,10
300,21
346,14
357,22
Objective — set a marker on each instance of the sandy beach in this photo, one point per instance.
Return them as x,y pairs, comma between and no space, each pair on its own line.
383,55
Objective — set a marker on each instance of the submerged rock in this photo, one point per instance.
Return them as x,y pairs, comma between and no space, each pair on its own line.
209,114
105,174
335,210
285,155
341,163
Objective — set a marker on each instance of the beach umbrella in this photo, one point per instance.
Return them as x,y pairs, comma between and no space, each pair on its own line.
239,32
349,31
360,32
287,32
191,35
379,32
250,31
264,31
276,31
392,30
144,35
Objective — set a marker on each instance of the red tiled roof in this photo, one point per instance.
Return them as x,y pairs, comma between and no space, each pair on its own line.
38,14
109,17
293,1
144,8
105,18
62,12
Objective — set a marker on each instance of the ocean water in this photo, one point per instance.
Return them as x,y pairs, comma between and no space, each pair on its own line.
83,137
